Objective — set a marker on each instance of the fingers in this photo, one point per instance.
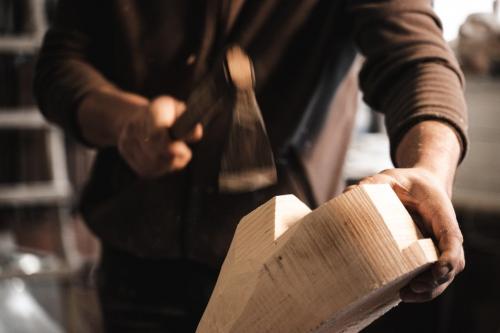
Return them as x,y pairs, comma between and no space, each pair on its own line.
149,164
428,285
452,260
430,201
379,178
166,110
195,135
425,287
409,295
437,212
146,146
425,195
178,155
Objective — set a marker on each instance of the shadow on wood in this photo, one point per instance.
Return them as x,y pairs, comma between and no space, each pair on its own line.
334,269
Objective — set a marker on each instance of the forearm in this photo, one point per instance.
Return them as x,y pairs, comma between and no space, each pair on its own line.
104,112
426,160
432,146
411,75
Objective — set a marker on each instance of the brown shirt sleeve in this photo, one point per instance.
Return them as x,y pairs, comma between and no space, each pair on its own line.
410,73
64,71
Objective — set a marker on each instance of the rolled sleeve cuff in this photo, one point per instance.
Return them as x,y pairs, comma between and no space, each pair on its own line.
430,92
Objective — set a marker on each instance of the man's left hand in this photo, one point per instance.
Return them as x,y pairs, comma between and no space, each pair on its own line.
427,157
426,196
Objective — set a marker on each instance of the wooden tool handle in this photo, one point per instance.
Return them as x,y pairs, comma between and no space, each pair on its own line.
235,71
200,105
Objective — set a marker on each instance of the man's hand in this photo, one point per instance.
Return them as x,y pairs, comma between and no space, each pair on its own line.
427,157
425,196
145,144
138,128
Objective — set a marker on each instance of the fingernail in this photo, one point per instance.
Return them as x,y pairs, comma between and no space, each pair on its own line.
442,270
442,280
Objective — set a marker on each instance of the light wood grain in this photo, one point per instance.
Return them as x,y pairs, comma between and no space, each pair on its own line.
335,269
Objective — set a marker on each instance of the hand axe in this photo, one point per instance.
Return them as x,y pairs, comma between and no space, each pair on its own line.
247,162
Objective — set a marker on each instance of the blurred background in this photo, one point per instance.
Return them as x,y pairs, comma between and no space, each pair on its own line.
47,254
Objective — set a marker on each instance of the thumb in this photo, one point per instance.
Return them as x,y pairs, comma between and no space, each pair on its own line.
164,111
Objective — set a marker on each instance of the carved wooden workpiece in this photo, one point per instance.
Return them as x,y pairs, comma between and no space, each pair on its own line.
335,269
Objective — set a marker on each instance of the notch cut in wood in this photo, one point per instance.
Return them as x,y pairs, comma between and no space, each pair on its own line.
334,269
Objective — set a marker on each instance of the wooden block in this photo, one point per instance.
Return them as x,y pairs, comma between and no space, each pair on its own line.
335,269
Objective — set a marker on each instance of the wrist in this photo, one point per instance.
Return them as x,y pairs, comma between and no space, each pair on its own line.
431,146
104,113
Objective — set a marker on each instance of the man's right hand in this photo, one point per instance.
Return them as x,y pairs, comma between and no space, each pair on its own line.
145,144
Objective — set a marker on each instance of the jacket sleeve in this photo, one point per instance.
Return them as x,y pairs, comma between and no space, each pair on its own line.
65,72
410,74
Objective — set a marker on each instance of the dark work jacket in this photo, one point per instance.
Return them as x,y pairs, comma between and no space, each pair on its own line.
301,52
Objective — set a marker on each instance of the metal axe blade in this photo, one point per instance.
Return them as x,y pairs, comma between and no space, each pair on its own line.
248,162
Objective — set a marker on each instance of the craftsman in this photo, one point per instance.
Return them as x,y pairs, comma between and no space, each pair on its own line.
115,75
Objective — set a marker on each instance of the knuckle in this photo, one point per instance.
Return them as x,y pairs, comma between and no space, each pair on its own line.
188,154
445,279
384,177
172,150
180,107
179,160
162,111
446,263
461,265
435,293
452,233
